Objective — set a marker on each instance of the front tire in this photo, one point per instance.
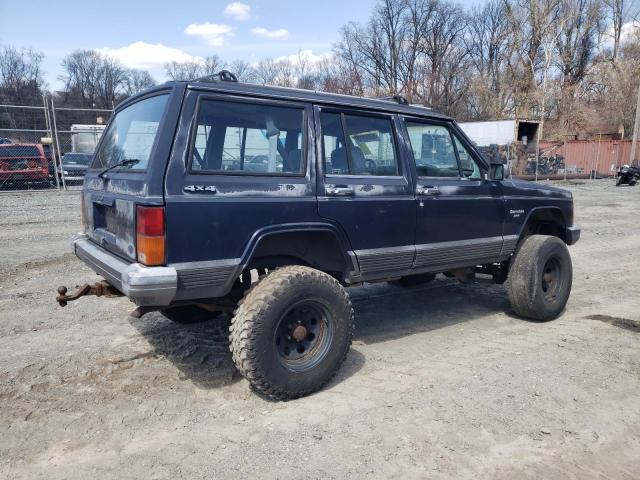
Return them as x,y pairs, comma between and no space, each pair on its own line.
291,332
540,278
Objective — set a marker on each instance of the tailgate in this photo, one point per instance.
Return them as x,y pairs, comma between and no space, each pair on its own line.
113,189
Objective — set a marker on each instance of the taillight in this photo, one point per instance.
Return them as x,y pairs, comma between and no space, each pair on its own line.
150,235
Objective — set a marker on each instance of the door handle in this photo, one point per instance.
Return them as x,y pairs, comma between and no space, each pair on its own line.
339,191
428,191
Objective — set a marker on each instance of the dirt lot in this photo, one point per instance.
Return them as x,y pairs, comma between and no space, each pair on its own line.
442,381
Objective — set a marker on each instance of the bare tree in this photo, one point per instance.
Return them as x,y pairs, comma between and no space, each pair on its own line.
445,55
243,71
137,80
582,26
532,23
178,71
490,46
21,76
267,71
95,80
81,70
617,11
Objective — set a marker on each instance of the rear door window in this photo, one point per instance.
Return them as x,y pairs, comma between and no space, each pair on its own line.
358,145
131,134
247,138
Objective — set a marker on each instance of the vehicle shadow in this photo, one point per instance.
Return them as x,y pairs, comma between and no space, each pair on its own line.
382,312
385,312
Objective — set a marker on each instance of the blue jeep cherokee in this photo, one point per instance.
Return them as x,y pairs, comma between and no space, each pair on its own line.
215,195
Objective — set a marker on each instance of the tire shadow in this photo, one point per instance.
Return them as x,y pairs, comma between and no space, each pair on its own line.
199,350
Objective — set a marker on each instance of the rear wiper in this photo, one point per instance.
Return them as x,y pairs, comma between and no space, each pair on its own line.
122,163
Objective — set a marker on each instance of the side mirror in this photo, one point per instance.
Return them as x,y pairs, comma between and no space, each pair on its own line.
497,171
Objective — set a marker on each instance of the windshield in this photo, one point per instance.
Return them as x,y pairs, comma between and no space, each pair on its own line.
131,134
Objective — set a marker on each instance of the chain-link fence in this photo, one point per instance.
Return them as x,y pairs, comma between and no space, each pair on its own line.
77,131
45,146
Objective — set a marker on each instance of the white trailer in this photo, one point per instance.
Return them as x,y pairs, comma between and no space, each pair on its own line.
84,138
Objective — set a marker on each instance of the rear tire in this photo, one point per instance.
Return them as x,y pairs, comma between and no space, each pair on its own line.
540,278
291,332
618,181
413,280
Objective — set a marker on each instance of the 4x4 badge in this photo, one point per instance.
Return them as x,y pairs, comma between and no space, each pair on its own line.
200,188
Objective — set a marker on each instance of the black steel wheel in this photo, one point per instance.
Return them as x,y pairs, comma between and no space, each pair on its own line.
552,278
304,335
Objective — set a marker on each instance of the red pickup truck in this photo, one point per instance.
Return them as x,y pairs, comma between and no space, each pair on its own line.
23,163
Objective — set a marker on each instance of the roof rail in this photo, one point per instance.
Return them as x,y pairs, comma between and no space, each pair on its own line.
395,98
221,76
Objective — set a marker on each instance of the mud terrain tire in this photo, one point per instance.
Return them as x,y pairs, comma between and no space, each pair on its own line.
540,277
297,307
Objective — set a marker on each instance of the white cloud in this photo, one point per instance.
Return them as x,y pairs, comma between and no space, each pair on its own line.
307,56
263,32
238,11
147,55
214,34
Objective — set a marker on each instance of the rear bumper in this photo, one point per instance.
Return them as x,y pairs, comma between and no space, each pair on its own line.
572,235
145,286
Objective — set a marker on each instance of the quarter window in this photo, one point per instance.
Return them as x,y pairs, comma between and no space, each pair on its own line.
433,150
468,165
240,137
369,147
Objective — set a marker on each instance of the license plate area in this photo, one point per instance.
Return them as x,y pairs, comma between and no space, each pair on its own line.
114,225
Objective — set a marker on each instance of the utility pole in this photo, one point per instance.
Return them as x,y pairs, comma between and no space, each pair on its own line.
636,127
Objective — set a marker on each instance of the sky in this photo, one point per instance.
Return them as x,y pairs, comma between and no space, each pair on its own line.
146,34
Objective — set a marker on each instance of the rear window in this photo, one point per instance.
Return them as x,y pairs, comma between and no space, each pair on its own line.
238,137
18,151
131,134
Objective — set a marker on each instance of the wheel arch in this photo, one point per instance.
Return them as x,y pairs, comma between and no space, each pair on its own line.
545,220
318,245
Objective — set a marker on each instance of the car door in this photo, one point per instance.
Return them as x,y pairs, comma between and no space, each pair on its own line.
460,213
364,187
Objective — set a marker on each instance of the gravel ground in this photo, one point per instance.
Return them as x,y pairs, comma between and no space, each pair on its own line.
442,380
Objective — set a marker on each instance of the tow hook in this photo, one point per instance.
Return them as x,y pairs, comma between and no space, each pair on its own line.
99,289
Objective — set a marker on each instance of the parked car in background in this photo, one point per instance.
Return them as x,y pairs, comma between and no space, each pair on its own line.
4,140
75,165
23,164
